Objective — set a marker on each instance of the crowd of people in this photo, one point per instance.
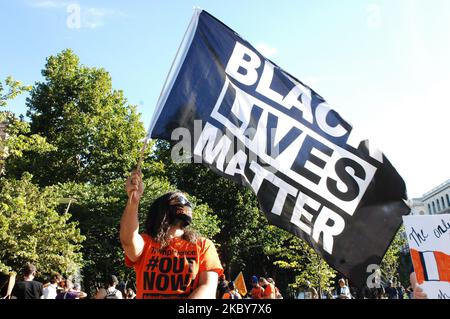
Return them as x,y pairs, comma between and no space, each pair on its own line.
170,259
58,287
389,290
262,288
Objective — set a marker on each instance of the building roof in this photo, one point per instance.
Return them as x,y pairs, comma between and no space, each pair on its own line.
436,190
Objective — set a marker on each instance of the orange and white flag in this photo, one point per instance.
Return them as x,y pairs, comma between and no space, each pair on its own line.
239,284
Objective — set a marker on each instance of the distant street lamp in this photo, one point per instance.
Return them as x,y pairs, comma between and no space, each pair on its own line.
67,201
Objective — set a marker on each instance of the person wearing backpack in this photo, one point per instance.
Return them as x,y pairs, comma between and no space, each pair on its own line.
232,293
111,292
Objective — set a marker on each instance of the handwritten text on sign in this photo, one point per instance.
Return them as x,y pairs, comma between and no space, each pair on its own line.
429,243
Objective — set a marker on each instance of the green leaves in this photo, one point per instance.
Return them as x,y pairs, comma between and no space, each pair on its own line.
308,266
391,261
15,140
15,88
31,230
96,133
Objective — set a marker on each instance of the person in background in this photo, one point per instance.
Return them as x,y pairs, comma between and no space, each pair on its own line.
61,286
222,287
409,292
269,289
77,289
50,291
130,294
277,291
257,291
111,292
400,291
28,288
232,292
391,290
344,292
122,287
73,291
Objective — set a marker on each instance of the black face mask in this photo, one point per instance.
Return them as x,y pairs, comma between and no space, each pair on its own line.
180,215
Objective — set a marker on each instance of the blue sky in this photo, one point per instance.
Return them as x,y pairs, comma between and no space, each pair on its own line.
382,64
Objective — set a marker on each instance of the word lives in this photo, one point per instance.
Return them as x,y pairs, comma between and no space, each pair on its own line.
289,142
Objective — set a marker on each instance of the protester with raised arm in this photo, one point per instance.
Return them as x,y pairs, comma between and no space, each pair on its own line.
170,259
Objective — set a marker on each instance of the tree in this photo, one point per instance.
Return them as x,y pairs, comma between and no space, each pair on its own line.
308,266
390,265
15,88
15,138
31,230
96,132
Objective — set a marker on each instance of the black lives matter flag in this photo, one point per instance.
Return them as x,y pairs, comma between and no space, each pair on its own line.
228,107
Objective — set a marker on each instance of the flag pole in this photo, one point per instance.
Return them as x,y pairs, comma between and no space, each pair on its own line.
141,157
170,78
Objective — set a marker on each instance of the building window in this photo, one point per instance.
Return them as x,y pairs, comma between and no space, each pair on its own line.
438,205
434,208
448,200
443,203
429,209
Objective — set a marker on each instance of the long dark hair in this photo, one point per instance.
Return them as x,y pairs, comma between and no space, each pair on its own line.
157,223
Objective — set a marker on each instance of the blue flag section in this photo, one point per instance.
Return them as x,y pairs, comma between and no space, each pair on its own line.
248,120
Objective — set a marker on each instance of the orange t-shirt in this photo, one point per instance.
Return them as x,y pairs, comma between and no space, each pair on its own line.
269,290
173,272
257,292
228,295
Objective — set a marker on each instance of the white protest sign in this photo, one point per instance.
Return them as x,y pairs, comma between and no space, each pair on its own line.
429,243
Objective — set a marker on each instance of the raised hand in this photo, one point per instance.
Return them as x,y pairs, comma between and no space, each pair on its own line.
134,186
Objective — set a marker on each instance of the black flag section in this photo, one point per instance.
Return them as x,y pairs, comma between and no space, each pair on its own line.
252,122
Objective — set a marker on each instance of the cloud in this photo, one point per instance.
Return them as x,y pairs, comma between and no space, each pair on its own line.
266,49
48,4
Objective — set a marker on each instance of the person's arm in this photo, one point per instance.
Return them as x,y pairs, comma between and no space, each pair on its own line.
207,286
41,291
82,294
344,293
261,293
101,294
272,292
132,242
348,293
417,291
